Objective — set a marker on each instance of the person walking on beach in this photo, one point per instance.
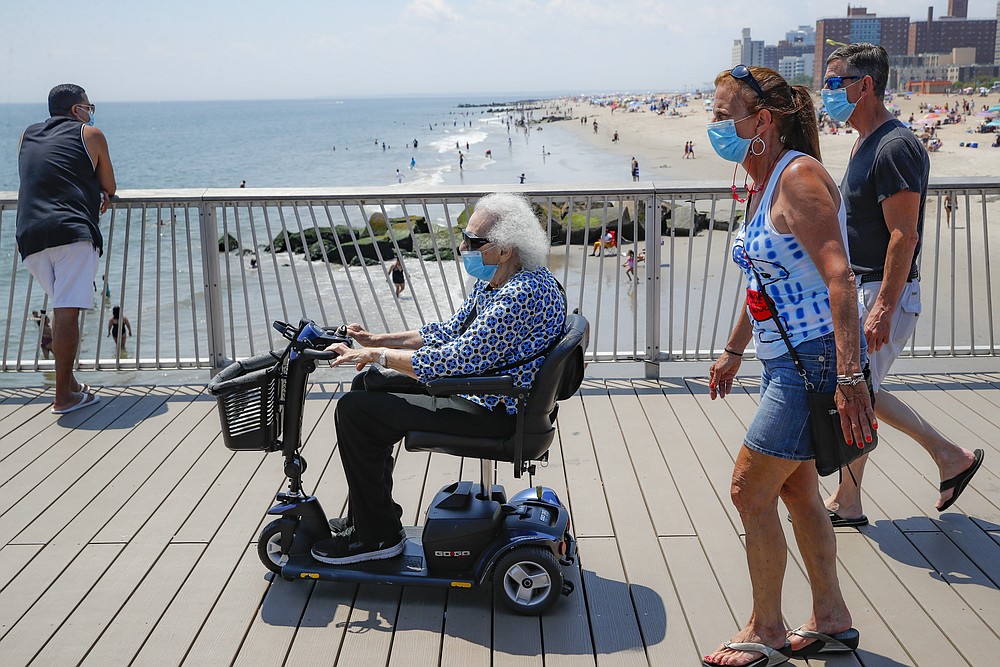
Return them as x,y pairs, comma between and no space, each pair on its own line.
635,170
398,278
413,162
117,326
687,149
630,261
885,190
794,234
66,182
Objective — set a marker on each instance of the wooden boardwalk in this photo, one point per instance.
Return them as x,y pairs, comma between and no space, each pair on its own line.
127,536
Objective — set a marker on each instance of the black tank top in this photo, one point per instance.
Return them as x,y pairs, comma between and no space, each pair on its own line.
59,199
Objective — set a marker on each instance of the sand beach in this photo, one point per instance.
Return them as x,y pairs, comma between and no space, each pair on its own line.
657,141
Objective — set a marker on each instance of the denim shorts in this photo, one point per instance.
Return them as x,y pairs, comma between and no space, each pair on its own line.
780,427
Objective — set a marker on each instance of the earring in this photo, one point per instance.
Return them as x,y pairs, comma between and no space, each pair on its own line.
753,146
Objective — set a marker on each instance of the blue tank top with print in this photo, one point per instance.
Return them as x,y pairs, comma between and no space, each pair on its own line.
800,296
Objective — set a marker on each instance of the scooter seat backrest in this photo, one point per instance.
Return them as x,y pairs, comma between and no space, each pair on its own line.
557,379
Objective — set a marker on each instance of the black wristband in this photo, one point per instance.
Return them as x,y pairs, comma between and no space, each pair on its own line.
734,352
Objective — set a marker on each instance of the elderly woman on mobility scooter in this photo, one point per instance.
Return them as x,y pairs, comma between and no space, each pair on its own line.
515,312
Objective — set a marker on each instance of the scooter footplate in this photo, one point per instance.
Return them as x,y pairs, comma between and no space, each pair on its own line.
408,567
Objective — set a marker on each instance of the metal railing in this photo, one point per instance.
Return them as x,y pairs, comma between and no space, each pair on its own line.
200,274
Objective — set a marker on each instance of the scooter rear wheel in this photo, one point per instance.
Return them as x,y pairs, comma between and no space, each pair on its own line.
269,547
528,580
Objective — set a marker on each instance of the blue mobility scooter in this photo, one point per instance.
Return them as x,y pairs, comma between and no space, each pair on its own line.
473,535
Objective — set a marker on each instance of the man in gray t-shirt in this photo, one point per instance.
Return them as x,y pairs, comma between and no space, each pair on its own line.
884,190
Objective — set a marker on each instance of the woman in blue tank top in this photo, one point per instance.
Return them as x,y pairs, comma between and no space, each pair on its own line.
794,239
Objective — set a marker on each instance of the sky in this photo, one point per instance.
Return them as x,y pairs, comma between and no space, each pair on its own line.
139,50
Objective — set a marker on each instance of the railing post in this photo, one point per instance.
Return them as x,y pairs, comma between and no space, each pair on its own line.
652,226
212,283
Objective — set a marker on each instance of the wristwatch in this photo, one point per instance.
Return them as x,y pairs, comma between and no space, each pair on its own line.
381,359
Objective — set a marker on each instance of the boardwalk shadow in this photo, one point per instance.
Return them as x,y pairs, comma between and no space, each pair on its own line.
602,616
954,549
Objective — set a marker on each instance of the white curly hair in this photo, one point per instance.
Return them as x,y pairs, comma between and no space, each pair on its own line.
515,226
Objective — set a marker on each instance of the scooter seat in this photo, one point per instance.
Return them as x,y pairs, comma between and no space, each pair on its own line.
495,449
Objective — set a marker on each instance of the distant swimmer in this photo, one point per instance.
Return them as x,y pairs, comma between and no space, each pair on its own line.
399,176
413,162
510,143
243,184
522,179
415,143
461,160
383,145
489,153
635,169
466,145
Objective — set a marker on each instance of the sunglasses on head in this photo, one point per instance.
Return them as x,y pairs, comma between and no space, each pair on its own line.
835,82
474,242
742,73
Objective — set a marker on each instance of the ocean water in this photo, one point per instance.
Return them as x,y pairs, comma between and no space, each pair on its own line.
334,143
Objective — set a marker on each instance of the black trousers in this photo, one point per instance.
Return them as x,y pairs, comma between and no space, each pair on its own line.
370,423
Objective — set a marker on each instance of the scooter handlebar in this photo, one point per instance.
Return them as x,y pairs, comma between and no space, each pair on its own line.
319,355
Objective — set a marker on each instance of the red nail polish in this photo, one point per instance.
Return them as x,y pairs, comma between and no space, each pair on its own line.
868,439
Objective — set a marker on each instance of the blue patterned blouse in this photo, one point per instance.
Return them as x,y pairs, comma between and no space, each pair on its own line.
514,321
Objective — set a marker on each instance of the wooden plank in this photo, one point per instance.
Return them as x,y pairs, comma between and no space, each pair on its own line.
17,410
58,468
271,625
616,634
591,517
94,478
222,633
916,639
214,571
517,640
705,612
123,637
142,493
643,562
13,558
961,599
31,582
323,624
566,627
468,624
682,442
417,638
35,438
24,636
370,628
662,499
976,544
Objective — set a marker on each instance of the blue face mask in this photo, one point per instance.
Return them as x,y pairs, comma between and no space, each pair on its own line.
91,121
837,106
727,144
472,260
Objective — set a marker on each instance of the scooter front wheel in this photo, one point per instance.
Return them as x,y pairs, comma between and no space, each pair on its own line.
269,547
528,580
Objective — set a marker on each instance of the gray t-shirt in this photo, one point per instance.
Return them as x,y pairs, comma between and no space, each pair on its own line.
891,159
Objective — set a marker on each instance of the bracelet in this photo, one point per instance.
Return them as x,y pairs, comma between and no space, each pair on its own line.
850,380
734,352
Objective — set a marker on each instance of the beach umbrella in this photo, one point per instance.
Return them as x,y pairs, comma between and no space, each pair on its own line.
993,123
995,107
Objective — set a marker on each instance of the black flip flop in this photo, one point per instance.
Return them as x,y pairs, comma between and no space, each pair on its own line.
843,522
841,642
961,480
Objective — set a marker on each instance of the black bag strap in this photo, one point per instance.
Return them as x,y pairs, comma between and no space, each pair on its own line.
781,329
473,313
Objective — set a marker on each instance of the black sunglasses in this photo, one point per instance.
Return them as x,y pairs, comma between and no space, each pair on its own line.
742,73
835,82
474,242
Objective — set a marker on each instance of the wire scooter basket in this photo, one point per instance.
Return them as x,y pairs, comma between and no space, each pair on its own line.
250,394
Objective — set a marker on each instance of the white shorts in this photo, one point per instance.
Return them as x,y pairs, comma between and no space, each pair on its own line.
904,323
66,273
